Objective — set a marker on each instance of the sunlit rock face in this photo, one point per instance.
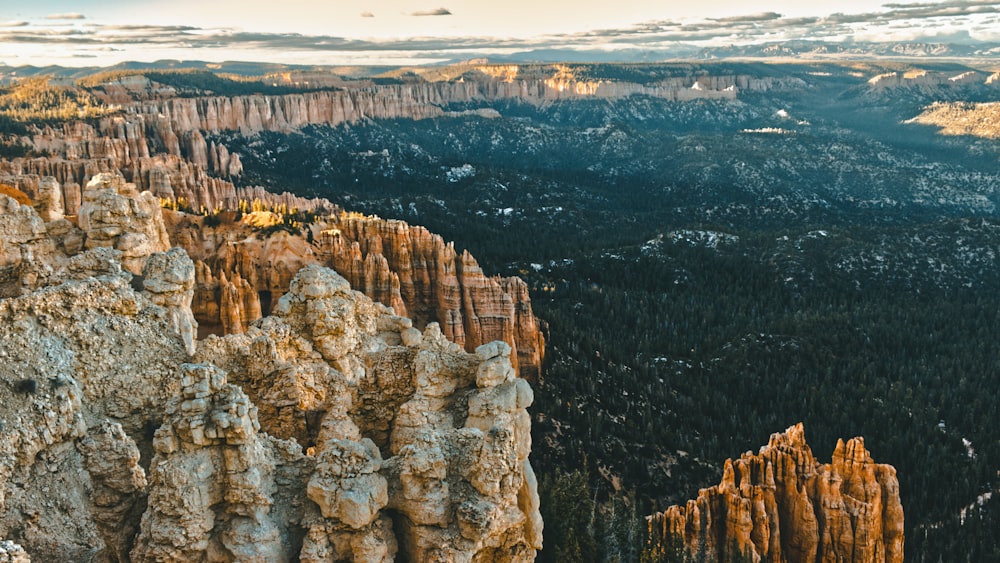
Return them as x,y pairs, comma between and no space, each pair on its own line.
332,429
783,505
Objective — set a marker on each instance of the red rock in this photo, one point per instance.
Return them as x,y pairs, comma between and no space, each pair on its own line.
782,505
407,268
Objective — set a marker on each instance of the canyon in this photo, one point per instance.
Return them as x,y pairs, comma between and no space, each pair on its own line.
332,429
319,384
159,145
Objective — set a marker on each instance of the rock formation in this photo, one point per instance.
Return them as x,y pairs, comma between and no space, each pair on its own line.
168,279
962,118
331,430
782,505
114,214
240,274
10,552
158,141
84,366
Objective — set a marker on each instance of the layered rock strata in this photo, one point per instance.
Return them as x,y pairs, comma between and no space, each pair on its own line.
240,275
331,430
160,144
114,215
783,505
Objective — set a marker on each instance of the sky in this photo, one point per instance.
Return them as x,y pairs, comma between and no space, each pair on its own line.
105,32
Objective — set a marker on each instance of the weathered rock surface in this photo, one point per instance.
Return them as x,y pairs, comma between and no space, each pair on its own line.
783,505
83,362
114,214
397,425
212,478
10,552
332,430
240,275
168,278
24,247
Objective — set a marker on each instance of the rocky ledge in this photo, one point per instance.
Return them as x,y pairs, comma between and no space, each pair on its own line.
332,430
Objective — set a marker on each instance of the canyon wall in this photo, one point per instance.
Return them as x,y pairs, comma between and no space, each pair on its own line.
241,272
331,430
783,505
160,147
160,144
419,100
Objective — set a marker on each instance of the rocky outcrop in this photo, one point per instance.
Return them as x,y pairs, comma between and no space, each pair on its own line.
331,430
961,118
111,458
168,279
435,284
926,79
362,100
83,363
10,552
23,238
399,423
212,478
782,505
114,214
240,274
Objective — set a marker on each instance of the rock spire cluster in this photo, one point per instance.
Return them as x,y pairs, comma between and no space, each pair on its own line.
781,504
332,429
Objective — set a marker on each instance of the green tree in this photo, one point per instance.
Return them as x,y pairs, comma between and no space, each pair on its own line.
568,511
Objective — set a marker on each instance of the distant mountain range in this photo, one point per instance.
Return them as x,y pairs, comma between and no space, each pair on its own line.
804,50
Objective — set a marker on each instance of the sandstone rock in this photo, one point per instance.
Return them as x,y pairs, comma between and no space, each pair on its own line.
391,417
73,356
10,552
49,200
379,416
168,279
390,428
112,460
211,478
435,284
404,267
25,249
411,337
346,485
115,215
782,505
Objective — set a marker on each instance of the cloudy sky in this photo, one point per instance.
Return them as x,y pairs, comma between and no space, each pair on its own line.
101,32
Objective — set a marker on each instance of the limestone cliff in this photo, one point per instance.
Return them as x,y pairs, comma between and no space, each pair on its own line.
331,430
158,142
783,505
240,274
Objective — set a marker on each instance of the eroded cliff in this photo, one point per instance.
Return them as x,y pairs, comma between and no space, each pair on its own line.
331,430
783,505
241,272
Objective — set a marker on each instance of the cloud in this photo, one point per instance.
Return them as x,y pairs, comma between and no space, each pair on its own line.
437,12
758,17
68,16
14,24
935,21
